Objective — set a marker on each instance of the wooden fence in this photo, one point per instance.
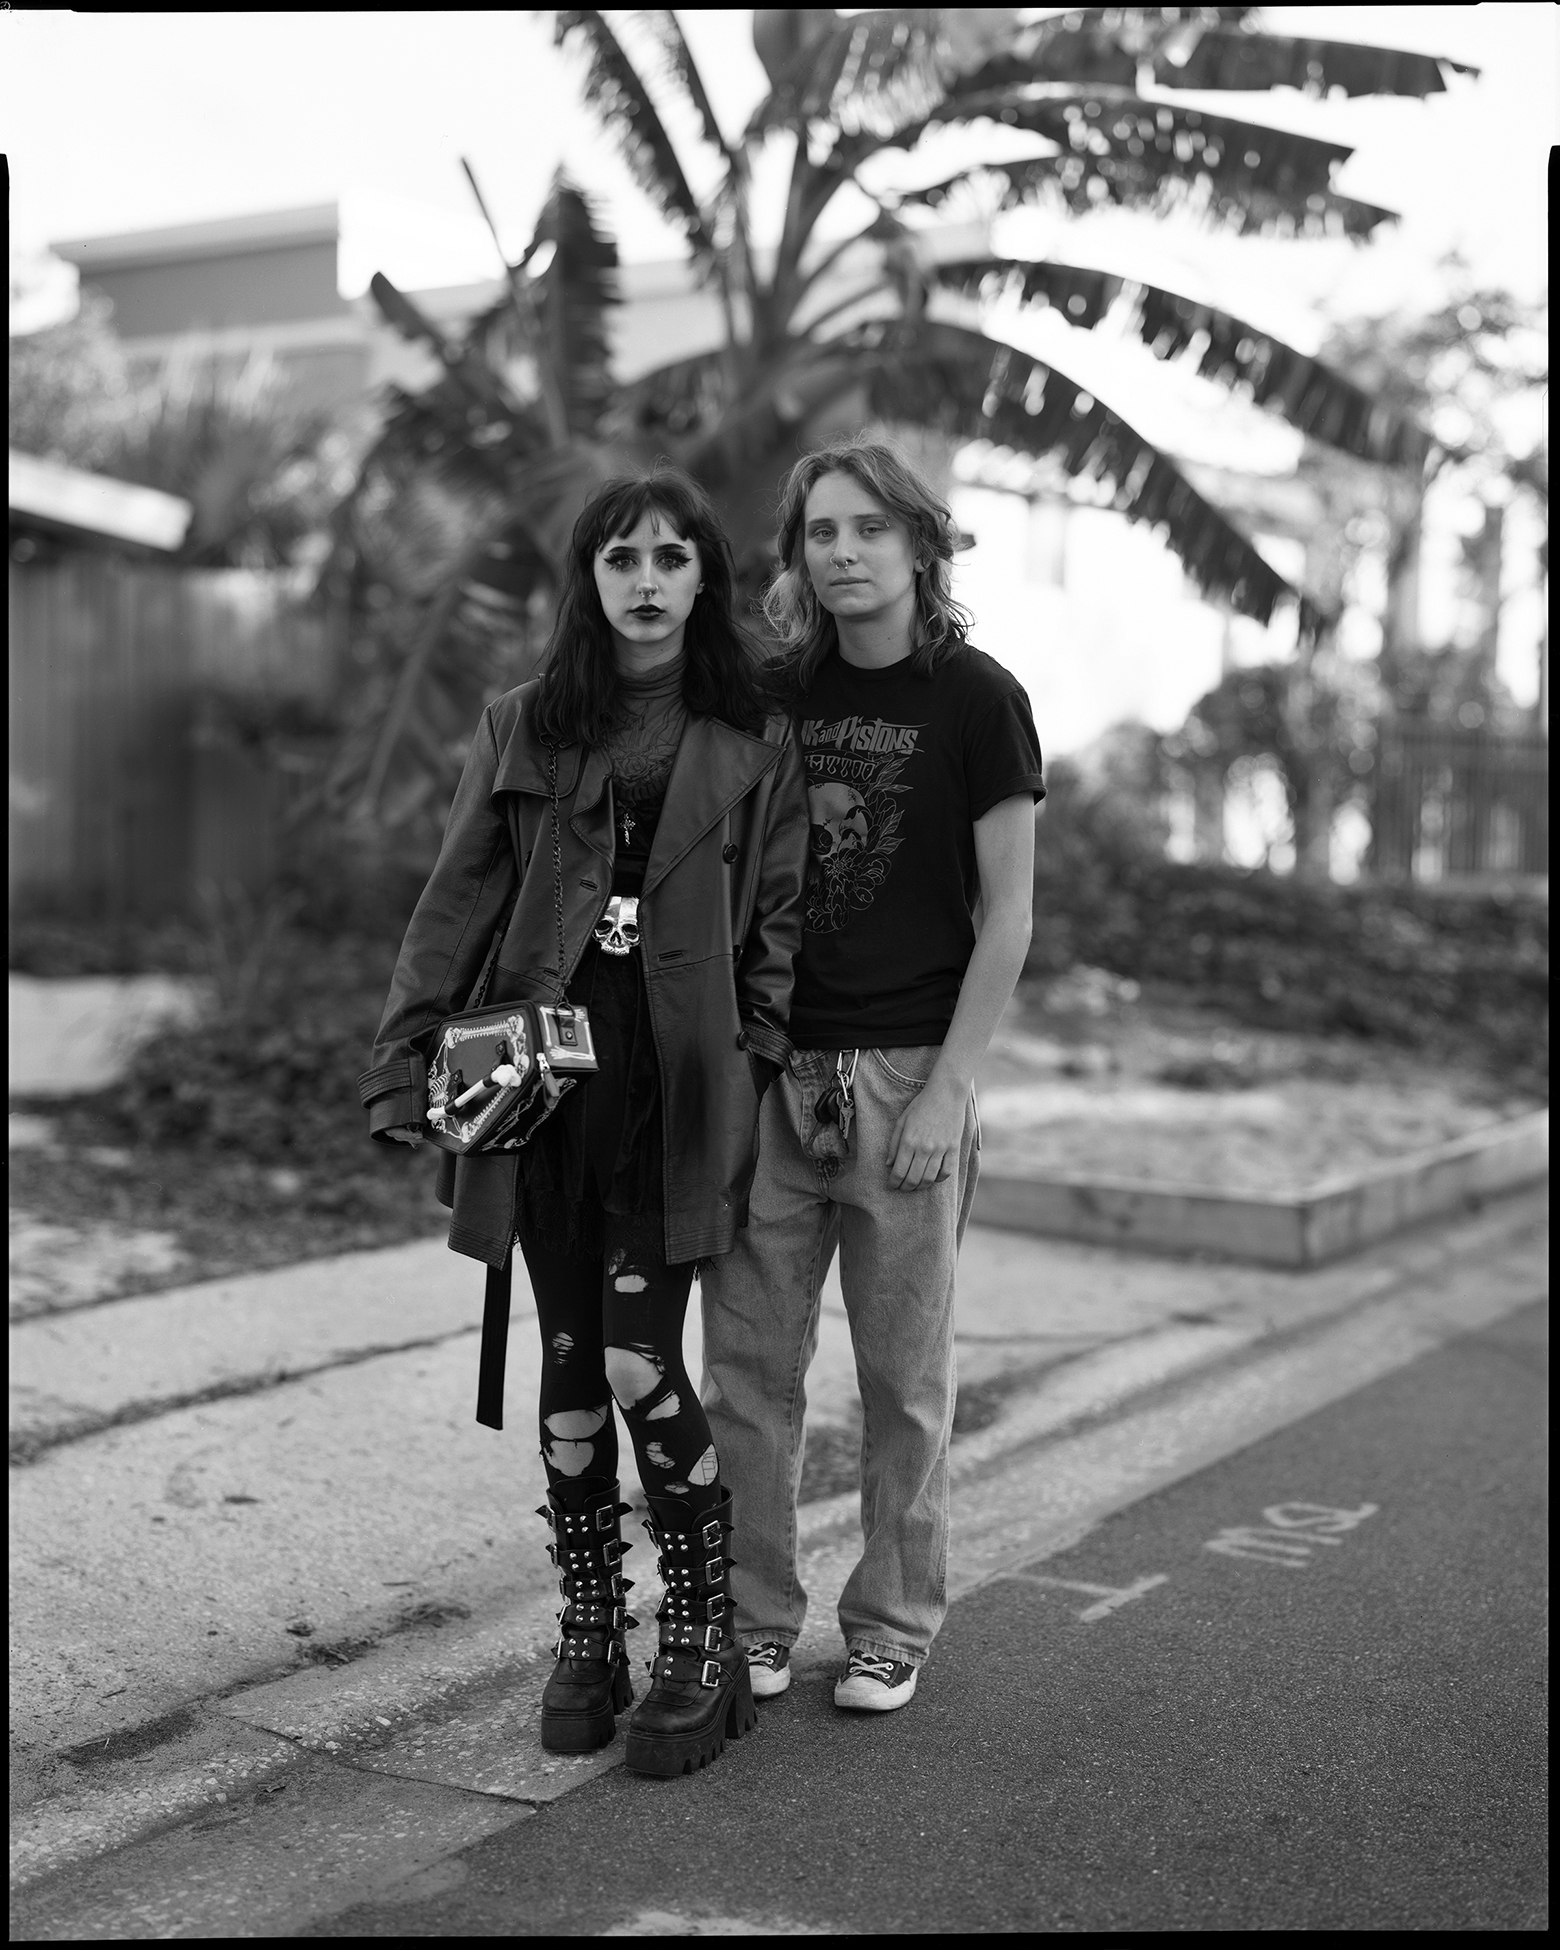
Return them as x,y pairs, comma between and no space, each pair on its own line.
130,793
1459,804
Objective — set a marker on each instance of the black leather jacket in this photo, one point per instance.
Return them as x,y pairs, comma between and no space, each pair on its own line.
720,922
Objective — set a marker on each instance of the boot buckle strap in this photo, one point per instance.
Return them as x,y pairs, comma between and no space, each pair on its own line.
606,1517
709,1536
709,1674
714,1570
612,1551
715,1607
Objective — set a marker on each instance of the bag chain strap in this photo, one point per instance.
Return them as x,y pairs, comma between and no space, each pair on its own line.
557,852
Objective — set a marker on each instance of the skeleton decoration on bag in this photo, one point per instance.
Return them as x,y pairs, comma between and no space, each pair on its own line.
519,1075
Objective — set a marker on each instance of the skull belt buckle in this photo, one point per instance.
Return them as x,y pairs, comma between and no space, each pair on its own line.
618,929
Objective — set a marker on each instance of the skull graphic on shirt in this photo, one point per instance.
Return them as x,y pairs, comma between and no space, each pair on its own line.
839,819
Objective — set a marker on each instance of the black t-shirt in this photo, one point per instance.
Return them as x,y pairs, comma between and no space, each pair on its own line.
899,768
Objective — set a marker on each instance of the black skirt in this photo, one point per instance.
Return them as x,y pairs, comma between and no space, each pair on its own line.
601,1151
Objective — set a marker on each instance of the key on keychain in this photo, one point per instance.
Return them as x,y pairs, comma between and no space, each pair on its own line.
837,1105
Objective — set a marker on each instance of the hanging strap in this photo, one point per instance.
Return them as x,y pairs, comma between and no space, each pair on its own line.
495,1304
495,1345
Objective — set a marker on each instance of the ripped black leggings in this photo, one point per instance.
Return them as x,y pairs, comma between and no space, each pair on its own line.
612,1329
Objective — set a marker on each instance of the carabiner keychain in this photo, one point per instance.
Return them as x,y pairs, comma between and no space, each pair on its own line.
837,1103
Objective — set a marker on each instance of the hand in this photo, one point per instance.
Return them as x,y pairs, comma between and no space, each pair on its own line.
924,1146
405,1134
763,1073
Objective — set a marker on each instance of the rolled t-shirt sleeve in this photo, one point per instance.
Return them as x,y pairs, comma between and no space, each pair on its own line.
1002,753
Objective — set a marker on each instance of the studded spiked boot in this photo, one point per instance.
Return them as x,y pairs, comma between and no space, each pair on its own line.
590,1685
700,1696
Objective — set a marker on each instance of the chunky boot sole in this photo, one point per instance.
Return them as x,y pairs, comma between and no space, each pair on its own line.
584,1731
685,1753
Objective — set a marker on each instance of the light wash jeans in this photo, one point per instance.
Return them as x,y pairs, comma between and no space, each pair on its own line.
897,1256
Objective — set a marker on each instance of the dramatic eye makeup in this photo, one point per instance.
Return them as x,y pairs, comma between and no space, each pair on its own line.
666,558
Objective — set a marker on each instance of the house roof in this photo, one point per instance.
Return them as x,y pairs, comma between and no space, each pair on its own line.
81,504
316,223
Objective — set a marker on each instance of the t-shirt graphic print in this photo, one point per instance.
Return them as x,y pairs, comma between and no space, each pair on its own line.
899,768
855,782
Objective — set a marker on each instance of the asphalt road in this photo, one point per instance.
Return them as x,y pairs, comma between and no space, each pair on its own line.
1334,1720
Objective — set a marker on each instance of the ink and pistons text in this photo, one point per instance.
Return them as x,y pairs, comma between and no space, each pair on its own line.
858,734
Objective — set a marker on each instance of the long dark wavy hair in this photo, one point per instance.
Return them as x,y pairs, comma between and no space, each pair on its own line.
578,700
804,627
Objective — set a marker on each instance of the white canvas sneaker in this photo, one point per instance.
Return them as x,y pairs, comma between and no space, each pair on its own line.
769,1669
873,1685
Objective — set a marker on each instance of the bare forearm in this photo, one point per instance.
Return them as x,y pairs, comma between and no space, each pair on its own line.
989,982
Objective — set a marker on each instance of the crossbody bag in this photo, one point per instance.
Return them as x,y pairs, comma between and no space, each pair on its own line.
497,1073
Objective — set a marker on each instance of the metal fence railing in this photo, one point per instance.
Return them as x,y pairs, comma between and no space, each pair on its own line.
1450,804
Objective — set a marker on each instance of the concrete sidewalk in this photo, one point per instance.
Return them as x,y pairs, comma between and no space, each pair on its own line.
232,1461
276,1810
233,1480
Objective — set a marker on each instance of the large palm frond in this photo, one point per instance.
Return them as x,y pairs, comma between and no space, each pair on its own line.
971,387
680,68
866,71
1312,397
615,89
1202,47
1157,155
875,70
1237,58
564,327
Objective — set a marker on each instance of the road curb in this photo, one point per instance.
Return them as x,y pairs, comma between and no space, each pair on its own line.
366,1714
1329,1221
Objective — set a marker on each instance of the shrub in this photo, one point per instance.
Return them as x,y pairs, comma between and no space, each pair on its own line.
1464,970
271,1073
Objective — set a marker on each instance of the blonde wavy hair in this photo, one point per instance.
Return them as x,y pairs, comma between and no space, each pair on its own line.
805,628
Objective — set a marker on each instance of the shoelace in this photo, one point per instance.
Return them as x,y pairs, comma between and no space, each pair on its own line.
765,1655
867,1665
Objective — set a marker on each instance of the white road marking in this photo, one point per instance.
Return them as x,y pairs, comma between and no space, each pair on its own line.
1111,1597
1289,1532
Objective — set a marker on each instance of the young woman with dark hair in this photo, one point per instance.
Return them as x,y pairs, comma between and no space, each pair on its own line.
922,775
681,842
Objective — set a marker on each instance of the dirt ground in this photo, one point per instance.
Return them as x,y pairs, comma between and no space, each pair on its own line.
1086,1077
91,1221
1090,1078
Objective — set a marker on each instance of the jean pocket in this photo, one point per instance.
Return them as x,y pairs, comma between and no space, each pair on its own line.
907,1068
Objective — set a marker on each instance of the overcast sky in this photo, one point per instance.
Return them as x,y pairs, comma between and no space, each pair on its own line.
120,121
132,120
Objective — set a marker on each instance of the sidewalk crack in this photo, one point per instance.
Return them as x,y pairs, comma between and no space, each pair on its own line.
28,1445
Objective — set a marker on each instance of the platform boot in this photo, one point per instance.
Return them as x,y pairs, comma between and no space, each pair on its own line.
590,1685
700,1696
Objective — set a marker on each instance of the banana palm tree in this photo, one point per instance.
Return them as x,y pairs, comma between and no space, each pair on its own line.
453,534
879,326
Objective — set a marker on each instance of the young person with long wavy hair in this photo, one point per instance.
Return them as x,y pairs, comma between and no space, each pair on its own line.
682,846
923,771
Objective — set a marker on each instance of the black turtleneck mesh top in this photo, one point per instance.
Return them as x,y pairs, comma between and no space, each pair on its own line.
641,749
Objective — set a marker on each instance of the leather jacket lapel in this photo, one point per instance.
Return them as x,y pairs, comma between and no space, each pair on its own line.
715,767
582,784
590,815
